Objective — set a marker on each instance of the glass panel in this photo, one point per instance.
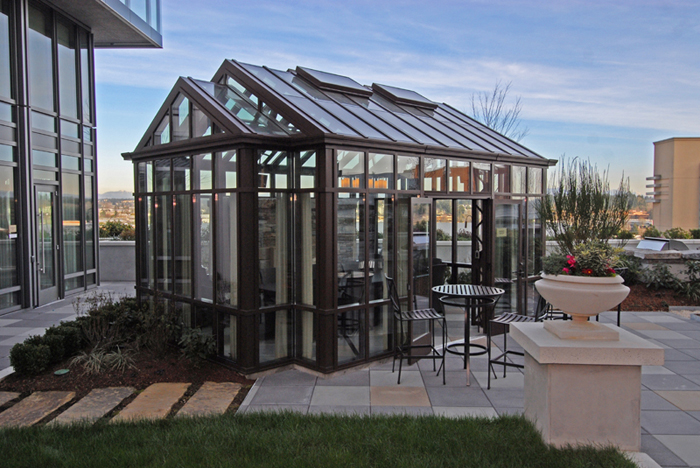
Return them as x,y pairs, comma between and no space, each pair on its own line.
372,119
73,283
262,106
351,336
381,245
519,185
5,70
89,224
351,169
227,249
91,279
275,335
226,170
142,177
139,7
181,173
88,165
87,133
306,335
6,112
351,249
381,330
162,169
40,59
180,111
182,245
381,171
147,233
43,141
201,125
507,256
274,246
7,153
306,291
67,70
45,175
8,230
70,129
535,247
306,170
85,73
162,134
43,122
501,178
204,320
229,327
434,174
45,235
203,265
9,299
534,180
72,229
459,176
202,171
421,253
164,279
274,170
408,170
444,218
482,178
464,241
403,251
415,127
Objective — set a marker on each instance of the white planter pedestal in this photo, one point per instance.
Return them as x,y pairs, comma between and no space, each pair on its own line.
585,392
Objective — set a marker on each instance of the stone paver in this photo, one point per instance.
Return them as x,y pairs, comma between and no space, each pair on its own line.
687,401
398,396
7,396
153,403
34,408
94,405
211,398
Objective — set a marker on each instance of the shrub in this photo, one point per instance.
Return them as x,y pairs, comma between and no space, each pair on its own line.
651,231
594,259
97,361
691,288
71,335
677,233
114,229
196,345
634,273
30,358
660,277
442,235
695,233
54,343
625,234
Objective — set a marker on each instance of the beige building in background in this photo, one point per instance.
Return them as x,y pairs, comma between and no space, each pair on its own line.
676,183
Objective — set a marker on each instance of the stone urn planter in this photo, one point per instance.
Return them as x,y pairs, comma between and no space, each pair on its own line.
582,297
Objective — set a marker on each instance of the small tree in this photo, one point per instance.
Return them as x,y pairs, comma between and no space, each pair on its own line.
490,109
581,208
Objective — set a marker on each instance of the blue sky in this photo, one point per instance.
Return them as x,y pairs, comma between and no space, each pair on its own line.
598,80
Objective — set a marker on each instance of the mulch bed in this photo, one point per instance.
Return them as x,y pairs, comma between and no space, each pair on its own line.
643,299
150,369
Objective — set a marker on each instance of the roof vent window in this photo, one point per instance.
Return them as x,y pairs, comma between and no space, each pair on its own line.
333,82
404,96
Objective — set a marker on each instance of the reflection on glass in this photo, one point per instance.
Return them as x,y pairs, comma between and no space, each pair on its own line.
142,176
306,335
403,250
162,170
464,239
226,170
535,247
181,173
43,122
72,229
351,249
507,256
407,169
202,176
43,158
162,133
70,129
274,170
164,279
5,75
202,125
147,242
203,247
45,234
180,110
381,171
229,327
89,224
501,178
306,248
182,245
8,230
534,180
40,59
381,330
7,153
434,174
85,76
227,249
274,248
67,73
381,248
420,218
306,170
6,112
482,177
519,185
351,336
351,169
459,176
275,335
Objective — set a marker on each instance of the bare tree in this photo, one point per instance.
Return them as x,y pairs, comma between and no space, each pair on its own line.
490,109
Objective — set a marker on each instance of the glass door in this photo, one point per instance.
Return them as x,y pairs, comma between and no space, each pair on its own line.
46,244
420,261
509,263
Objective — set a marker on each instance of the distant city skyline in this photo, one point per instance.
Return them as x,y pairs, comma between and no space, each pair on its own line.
597,81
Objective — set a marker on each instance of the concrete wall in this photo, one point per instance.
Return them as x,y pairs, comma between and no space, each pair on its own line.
677,162
117,260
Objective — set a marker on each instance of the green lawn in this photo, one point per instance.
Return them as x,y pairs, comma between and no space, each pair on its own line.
289,440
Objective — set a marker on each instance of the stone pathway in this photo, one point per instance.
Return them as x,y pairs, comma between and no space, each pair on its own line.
94,405
153,403
34,408
7,396
212,398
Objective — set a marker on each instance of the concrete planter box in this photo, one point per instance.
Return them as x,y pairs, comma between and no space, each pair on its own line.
117,260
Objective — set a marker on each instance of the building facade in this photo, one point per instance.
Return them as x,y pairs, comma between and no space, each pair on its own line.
676,183
48,187
273,208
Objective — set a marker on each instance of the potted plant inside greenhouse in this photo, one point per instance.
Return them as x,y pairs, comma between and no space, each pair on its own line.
581,214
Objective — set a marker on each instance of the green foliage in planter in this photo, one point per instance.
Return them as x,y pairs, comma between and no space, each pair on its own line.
695,233
29,358
677,233
594,259
196,345
691,287
54,343
660,277
625,234
651,231
634,273
115,229
442,235
581,208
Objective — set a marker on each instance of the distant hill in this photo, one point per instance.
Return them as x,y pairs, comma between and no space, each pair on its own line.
121,195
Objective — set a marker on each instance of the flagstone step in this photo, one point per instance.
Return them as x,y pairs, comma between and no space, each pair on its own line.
34,408
6,397
94,405
211,398
155,402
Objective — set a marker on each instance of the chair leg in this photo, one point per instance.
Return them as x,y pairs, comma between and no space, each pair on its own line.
619,309
505,351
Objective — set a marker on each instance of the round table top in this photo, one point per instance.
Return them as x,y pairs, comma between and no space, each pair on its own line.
468,290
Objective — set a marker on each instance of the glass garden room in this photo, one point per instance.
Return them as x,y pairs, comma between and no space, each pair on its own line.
272,206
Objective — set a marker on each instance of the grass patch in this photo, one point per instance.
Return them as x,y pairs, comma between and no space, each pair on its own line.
291,440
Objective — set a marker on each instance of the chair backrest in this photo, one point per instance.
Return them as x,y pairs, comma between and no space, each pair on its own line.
393,294
542,310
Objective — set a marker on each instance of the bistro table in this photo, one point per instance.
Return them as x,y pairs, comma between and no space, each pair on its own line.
471,293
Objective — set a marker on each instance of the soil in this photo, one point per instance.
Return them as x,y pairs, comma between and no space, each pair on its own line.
642,298
149,369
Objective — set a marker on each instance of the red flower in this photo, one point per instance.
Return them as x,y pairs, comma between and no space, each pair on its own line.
571,260
566,270
587,271
610,271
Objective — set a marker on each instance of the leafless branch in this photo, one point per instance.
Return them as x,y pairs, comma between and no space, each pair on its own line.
490,109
